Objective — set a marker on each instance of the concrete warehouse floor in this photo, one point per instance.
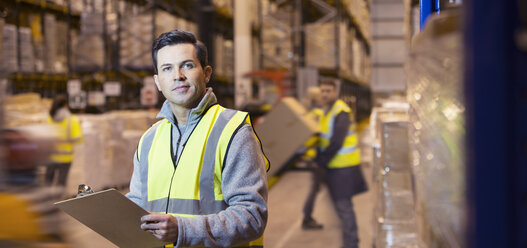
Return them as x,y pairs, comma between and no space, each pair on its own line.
286,199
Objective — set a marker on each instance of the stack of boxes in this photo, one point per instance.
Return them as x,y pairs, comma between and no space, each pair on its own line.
50,53
89,46
276,41
395,214
136,41
27,58
320,42
9,48
107,151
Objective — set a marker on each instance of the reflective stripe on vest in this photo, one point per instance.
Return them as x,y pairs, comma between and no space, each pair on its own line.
192,185
348,154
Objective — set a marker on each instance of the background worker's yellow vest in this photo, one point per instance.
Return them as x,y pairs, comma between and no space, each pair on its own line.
311,143
349,153
69,132
194,188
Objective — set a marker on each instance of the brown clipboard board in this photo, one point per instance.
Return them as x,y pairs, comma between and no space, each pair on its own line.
113,216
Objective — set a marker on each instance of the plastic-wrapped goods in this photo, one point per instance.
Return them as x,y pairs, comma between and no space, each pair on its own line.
89,46
396,205
396,236
376,122
9,48
136,41
50,53
394,144
60,63
395,180
27,58
105,157
437,135
88,52
92,23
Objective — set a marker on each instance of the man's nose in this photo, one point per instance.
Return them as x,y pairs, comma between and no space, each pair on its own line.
179,75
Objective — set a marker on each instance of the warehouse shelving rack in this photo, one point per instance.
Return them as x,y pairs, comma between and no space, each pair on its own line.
355,89
93,78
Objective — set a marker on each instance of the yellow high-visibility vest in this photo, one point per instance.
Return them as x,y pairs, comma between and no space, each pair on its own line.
194,188
69,133
349,153
311,143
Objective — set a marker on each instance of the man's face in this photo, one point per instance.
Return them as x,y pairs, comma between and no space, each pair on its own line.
328,94
180,76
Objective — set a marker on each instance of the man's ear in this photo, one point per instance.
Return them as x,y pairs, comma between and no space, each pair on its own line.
157,82
208,72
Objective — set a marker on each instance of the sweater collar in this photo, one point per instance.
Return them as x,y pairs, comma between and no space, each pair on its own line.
195,114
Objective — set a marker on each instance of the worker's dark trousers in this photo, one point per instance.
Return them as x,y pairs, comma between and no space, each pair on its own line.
61,168
318,174
344,208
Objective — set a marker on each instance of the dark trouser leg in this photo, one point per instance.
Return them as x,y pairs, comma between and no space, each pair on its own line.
63,173
344,208
315,187
50,173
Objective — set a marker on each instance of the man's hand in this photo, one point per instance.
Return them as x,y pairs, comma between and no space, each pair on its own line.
163,226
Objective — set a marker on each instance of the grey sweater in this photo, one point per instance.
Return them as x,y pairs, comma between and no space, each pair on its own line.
244,187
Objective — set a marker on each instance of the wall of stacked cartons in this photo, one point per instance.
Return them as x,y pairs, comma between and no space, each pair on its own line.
389,48
98,53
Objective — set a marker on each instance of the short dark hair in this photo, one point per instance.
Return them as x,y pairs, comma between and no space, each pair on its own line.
328,81
175,37
58,102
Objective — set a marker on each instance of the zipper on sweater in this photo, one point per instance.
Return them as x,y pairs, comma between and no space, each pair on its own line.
174,159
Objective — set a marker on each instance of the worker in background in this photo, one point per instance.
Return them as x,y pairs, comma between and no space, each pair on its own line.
69,133
200,170
313,102
339,156
315,112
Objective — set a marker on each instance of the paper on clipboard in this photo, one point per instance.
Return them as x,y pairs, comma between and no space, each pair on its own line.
112,215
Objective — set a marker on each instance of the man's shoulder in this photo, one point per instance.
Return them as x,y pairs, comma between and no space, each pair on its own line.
154,126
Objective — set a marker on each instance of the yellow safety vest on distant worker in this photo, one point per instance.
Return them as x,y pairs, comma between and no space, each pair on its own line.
195,186
349,153
311,143
69,133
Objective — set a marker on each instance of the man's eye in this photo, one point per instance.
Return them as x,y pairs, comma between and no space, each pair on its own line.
166,68
188,65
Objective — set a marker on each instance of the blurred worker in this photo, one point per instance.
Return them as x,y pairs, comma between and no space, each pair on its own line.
200,170
29,218
314,104
339,155
69,133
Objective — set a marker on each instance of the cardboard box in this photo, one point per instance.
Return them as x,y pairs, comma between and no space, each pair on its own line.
283,131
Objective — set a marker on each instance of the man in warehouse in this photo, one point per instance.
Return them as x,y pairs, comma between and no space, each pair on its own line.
200,170
339,156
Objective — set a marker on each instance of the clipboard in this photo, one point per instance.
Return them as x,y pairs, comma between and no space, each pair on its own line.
113,216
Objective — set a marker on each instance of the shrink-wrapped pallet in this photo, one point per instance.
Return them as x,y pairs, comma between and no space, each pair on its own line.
9,48
136,41
27,57
435,94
